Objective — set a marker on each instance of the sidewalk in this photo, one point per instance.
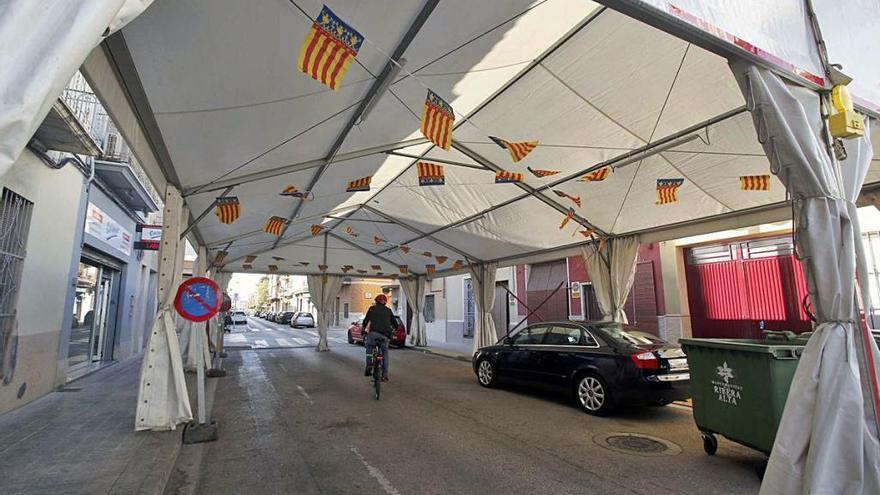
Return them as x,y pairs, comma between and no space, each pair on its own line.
82,440
463,351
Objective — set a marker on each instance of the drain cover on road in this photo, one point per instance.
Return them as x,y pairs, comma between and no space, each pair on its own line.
636,443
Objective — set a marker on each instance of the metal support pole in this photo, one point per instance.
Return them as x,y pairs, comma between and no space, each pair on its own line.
438,160
200,374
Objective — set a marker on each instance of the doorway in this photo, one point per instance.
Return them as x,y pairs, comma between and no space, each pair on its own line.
92,333
501,309
469,309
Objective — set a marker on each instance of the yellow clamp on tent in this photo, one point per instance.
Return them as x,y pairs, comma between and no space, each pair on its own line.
846,123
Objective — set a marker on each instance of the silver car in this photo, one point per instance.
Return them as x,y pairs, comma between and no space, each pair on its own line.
302,319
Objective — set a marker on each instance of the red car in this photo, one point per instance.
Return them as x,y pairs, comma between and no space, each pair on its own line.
356,333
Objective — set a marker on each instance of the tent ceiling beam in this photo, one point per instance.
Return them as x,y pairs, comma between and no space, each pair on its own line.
360,219
565,210
365,250
203,214
437,160
378,83
418,231
298,167
232,239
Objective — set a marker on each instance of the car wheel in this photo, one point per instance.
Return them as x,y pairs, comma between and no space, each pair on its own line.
593,395
350,339
486,373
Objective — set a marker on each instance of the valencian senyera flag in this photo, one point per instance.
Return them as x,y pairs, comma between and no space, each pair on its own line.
667,190
596,175
361,271
350,231
517,151
275,225
293,192
273,268
441,259
404,248
431,174
277,258
376,267
323,268
250,259
227,209
346,268
404,269
754,182
567,218
220,257
437,120
542,173
378,240
430,269
316,229
587,232
329,49
503,176
304,263
574,199
457,264
427,254
362,184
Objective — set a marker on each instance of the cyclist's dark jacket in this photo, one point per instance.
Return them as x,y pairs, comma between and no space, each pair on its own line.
381,320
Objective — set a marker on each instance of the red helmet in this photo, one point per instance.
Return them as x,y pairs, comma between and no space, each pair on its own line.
382,299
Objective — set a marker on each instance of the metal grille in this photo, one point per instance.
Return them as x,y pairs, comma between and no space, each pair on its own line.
15,221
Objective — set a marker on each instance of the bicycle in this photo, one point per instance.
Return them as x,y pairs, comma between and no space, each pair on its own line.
377,357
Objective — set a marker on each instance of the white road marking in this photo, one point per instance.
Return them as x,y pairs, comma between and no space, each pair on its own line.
305,394
236,337
375,473
254,329
301,341
283,342
261,343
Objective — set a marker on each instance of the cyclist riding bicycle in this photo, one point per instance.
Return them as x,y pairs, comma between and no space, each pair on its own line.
379,325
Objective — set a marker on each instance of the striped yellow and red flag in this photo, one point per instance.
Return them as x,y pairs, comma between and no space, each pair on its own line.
362,184
596,175
567,218
542,173
227,209
404,269
272,268
503,176
574,199
457,264
316,229
404,248
350,231
329,49
431,174
587,232
322,268
441,259
346,268
277,258
293,192
275,225
517,151
247,266
427,254
754,182
430,269
437,120
220,257
378,240
304,263
361,271
667,190
376,267
250,258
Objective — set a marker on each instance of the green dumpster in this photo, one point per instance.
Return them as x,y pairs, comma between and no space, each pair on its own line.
739,387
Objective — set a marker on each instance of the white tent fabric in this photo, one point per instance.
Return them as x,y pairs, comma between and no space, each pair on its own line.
827,440
611,267
414,289
222,280
483,282
323,290
46,41
163,402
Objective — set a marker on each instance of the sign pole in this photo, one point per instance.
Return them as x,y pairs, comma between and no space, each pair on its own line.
200,376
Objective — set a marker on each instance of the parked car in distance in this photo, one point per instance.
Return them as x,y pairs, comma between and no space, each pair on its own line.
356,333
285,317
602,365
239,318
302,319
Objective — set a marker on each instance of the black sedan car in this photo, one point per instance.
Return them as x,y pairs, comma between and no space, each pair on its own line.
601,364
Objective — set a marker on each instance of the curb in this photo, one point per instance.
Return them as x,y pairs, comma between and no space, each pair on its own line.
447,354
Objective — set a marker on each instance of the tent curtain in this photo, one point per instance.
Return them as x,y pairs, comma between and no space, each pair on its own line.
163,402
192,331
483,282
414,288
827,439
222,280
612,270
52,38
322,291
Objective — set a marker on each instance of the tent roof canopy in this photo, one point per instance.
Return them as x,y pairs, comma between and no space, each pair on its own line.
593,86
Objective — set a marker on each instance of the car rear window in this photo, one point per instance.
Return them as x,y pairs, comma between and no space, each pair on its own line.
240,313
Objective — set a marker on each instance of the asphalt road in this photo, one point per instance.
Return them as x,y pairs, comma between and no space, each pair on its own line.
298,421
262,334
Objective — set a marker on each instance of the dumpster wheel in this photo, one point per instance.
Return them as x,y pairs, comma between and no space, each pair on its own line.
710,443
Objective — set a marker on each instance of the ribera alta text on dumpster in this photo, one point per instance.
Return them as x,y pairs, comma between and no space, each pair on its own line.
725,387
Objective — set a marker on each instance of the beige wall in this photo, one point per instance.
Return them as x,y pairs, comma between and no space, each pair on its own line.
45,281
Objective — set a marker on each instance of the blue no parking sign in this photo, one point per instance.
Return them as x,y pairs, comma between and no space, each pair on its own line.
198,299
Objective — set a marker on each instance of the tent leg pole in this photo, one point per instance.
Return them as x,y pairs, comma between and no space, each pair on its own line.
201,430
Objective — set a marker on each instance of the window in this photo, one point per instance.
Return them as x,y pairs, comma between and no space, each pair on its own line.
15,222
531,335
428,310
561,335
345,310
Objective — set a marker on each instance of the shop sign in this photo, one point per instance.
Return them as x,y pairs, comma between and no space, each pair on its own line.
151,235
725,388
100,225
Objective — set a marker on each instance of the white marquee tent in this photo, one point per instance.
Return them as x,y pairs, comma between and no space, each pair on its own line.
208,95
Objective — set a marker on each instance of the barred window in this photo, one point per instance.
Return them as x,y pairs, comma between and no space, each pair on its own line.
15,221
429,308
